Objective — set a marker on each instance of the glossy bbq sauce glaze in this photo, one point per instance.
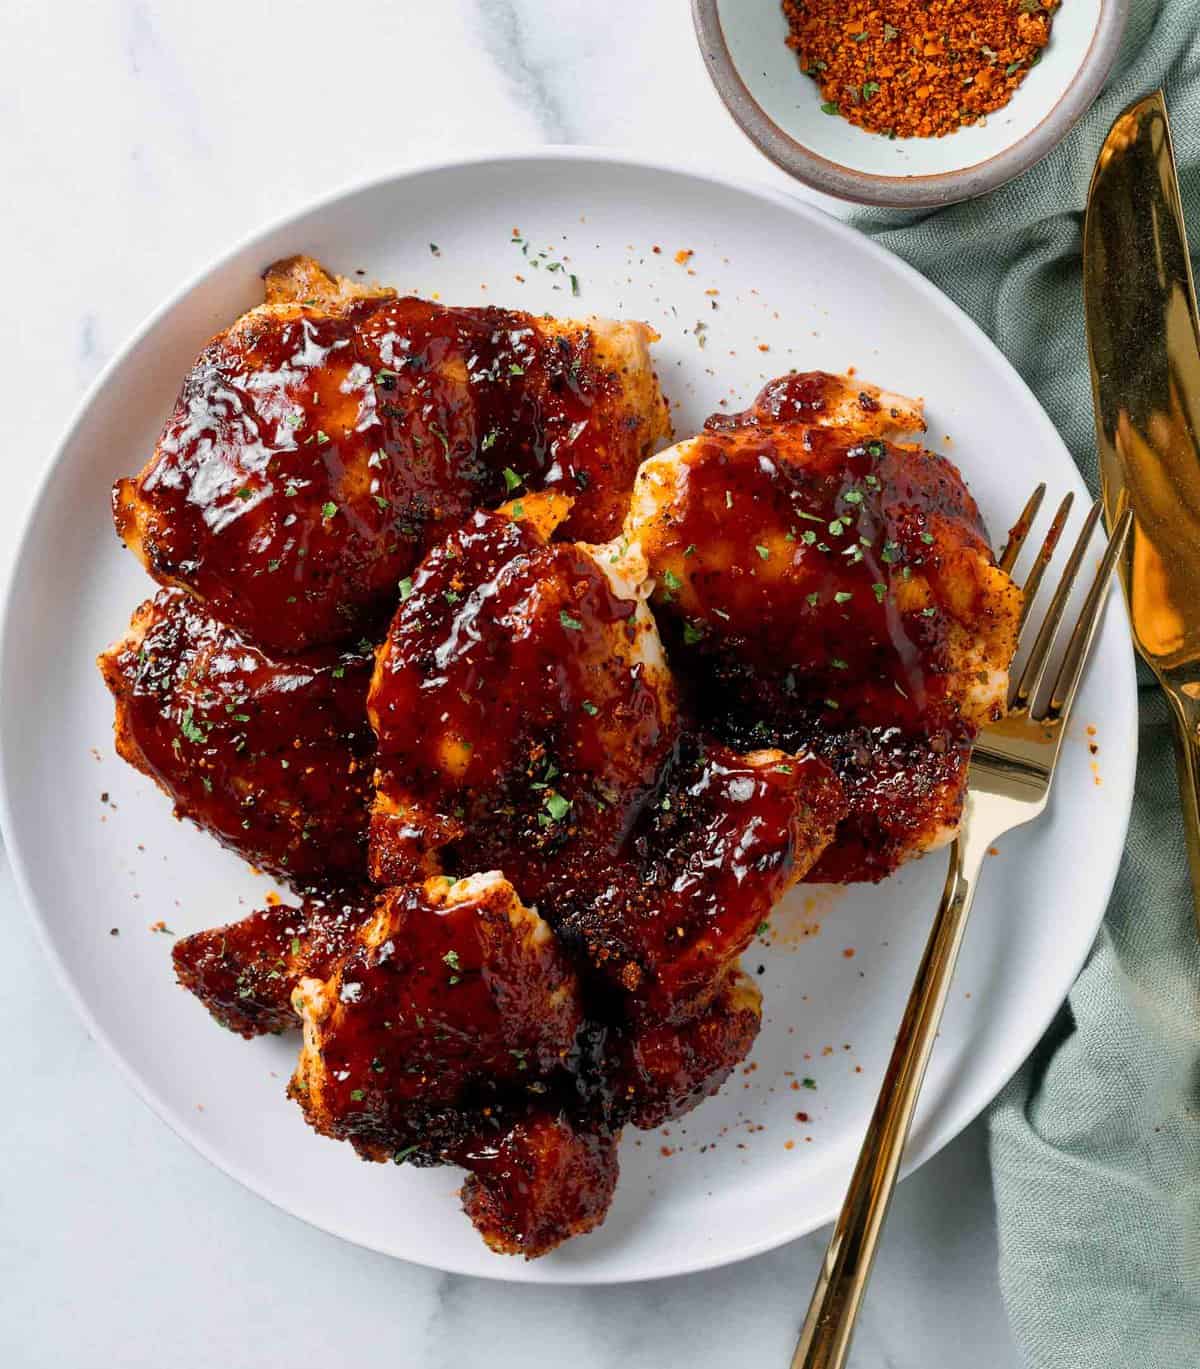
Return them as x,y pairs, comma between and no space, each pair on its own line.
824,589
313,455
441,1023
520,703
272,755
245,973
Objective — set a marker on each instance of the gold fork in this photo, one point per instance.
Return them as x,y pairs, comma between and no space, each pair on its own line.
1012,767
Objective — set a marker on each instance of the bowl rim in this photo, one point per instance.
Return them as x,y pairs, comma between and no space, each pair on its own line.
908,192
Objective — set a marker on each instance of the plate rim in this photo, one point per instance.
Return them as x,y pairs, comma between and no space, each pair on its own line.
612,158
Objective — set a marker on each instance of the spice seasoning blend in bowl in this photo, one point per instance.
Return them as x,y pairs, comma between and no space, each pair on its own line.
858,98
927,68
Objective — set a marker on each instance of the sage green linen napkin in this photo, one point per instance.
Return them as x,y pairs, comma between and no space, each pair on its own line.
1095,1144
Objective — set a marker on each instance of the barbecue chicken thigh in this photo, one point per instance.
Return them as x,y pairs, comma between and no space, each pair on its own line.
271,754
824,587
451,1002
324,439
521,702
245,973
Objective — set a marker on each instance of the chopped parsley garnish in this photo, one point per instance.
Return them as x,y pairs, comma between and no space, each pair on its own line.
853,496
808,1083
927,538
808,537
451,596
381,502
190,729
328,510
435,249
812,599
568,622
515,370
928,612
357,1095
837,527
590,708
244,493
489,441
671,580
338,672
557,806
891,553
451,959
843,596
511,479
402,1155
692,634
441,437
690,550
838,664
764,552
406,588
880,591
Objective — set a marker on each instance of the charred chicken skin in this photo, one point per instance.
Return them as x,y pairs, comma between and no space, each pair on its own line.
540,1183
245,973
834,590
320,442
270,754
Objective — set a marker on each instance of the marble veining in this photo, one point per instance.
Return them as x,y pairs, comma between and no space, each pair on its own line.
503,28
137,141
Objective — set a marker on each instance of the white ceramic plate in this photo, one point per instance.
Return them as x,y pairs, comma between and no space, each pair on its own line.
742,1173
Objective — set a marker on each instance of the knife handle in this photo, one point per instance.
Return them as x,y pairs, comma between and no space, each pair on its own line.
1186,713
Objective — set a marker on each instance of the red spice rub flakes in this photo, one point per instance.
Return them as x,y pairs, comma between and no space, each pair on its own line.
917,68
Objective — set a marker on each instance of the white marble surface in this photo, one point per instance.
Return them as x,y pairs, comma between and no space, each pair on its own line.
137,141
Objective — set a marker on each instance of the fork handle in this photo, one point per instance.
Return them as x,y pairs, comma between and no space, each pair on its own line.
829,1325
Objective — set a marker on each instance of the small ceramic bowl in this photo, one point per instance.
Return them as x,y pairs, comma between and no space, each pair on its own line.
779,108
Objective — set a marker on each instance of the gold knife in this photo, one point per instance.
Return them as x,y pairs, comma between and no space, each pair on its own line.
1144,352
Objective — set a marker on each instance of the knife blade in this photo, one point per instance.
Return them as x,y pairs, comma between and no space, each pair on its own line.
1144,353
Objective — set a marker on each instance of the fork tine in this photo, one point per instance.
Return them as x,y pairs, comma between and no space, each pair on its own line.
1038,569
1039,656
1020,530
1062,695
